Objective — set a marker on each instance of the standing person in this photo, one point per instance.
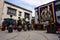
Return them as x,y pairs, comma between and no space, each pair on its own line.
15,25
4,25
19,24
24,24
10,24
33,24
28,24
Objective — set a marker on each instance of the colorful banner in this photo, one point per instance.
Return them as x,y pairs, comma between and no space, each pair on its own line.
47,12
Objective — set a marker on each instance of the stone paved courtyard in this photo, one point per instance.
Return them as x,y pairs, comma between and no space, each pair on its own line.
28,35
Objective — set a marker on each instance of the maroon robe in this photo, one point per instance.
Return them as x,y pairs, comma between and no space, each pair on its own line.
15,25
3,26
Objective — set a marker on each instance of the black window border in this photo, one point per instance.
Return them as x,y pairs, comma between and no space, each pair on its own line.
20,13
11,13
28,14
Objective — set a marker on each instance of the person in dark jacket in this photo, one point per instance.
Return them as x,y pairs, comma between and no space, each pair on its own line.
28,25
24,24
10,24
19,24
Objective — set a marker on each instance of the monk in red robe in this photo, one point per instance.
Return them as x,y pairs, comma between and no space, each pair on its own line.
4,25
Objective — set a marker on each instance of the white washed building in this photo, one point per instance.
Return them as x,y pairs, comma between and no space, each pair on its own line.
16,11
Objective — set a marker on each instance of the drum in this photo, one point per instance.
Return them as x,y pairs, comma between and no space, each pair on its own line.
19,28
10,29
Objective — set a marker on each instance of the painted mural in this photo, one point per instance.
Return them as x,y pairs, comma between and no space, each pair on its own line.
47,12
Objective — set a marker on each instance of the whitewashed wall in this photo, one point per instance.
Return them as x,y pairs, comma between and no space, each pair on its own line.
17,12
1,10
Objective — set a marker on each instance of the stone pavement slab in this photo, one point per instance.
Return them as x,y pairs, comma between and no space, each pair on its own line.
28,35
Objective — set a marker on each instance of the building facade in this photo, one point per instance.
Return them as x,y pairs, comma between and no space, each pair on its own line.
16,11
58,10
57,7
1,9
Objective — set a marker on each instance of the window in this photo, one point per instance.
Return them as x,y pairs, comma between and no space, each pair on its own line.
11,11
36,11
58,17
20,13
27,15
58,7
38,20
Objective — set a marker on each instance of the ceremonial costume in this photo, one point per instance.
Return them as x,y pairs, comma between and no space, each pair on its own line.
10,26
15,25
28,25
19,25
24,26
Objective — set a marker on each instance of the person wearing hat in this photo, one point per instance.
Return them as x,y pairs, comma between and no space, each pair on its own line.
15,24
24,24
28,24
11,24
19,24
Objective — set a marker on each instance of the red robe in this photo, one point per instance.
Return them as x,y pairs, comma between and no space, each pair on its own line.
3,26
15,25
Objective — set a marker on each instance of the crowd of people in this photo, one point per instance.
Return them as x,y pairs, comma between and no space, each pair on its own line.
18,25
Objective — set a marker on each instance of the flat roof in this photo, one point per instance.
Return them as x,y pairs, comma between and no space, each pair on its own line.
16,6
